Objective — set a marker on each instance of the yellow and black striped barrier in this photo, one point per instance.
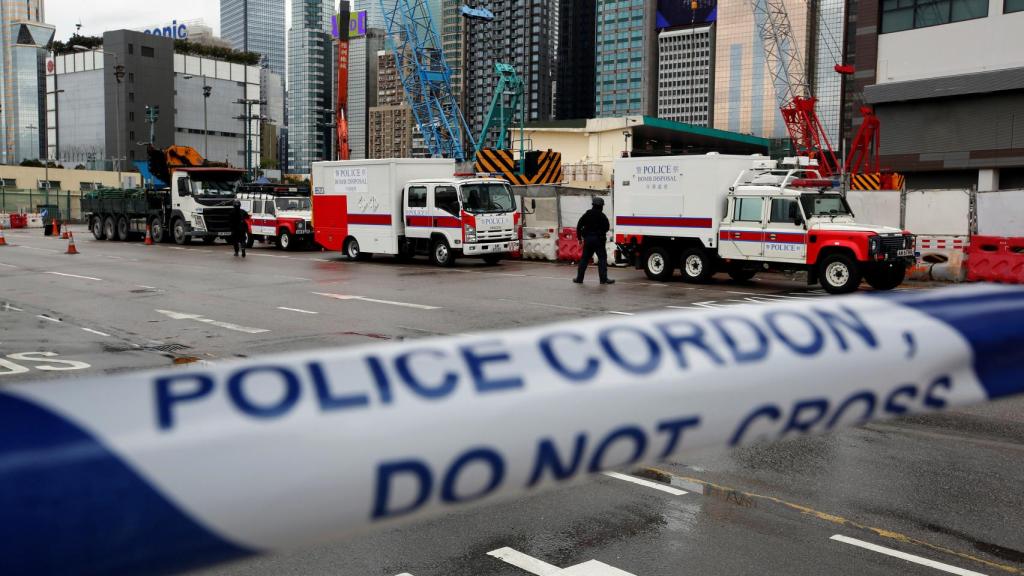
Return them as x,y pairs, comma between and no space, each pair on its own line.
877,181
542,166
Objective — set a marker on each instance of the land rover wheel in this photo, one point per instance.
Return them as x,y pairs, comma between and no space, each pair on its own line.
157,232
180,232
886,276
658,263
96,225
697,265
441,253
285,241
839,274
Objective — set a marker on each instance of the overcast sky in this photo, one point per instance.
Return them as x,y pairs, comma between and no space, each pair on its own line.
98,16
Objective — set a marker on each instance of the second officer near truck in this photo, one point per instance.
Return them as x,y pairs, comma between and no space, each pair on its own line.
592,231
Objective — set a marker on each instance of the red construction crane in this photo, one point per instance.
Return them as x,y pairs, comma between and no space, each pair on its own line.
341,104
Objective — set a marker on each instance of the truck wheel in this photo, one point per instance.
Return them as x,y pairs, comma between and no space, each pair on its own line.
697,266
441,253
886,276
353,252
157,232
492,259
122,228
109,228
658,264
285,241
96,224
740,274
839,274
181,236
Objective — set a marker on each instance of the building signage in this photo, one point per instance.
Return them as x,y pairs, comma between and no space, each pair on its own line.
672,13
356,24
174,30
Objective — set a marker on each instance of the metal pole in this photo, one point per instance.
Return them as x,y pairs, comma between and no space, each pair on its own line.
117,120
206,126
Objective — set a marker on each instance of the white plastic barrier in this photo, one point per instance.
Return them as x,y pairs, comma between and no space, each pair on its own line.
5,220
164,471
939,212
34,221
876,207
1001,213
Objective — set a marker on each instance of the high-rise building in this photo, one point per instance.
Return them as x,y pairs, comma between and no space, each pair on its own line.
453,40
577,29
522,35
745,99
391,120
256,26
626,58
830,19
310,83
685,75
375,17
23,92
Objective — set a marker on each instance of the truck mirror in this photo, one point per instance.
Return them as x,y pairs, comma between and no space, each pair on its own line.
533,204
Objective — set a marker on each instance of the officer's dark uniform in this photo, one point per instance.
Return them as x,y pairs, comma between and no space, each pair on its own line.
592,230
238,228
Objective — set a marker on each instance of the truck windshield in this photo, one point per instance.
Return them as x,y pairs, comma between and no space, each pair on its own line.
217,185
485,198
825,205
294,204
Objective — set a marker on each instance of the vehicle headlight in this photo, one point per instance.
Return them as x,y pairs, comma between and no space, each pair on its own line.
300,225
874,243
470,233
198,222
908,241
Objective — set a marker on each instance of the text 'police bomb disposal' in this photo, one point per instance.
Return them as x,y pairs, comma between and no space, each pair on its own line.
678,350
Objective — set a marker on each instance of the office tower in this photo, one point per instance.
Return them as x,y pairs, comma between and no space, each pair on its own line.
626,58
577,29
310,83
522,35
23,38
685,74
256,26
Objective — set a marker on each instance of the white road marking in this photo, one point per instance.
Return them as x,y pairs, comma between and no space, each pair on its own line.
146,287
48,318
743,293
621,313
9,308
96,332
647,483
198,318
376,301
592,568
904,556
75,276
251,253
528,563
299,310
7,265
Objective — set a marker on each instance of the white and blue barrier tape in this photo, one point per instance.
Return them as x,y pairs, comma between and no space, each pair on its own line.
164,471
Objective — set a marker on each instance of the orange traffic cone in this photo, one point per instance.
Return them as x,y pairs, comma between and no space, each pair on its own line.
3,241
56,228
65,235
71,245
149,236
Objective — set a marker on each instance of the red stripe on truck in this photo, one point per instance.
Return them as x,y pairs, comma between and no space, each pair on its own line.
369,219
663,222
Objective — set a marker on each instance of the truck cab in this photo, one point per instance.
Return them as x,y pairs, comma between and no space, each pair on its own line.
793,219
200,204
453,217
282,218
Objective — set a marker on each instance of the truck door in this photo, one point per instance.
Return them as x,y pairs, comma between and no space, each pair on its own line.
417,215
183,189
446,213
741,234
785,239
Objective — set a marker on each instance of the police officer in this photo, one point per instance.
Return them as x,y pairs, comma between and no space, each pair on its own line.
238,227
592,230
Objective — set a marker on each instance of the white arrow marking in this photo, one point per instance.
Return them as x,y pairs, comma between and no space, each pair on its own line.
198,318
375,301
541,568
75,276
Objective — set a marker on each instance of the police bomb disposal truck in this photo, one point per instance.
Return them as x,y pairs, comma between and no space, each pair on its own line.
693,213
405,207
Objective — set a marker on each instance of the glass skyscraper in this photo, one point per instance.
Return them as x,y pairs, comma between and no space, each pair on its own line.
626,58
257,26
23,89
310,78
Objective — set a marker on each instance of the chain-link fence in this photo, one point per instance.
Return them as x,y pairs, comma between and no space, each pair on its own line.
30,201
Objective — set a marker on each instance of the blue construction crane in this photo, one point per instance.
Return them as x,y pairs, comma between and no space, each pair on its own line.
426,78
502,111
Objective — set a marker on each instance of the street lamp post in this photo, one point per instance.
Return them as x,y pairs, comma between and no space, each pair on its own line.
207,90
118,76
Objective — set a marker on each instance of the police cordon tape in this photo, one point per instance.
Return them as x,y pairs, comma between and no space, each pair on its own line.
164,471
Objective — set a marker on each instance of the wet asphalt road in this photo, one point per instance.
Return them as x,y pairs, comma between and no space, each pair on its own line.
943,488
